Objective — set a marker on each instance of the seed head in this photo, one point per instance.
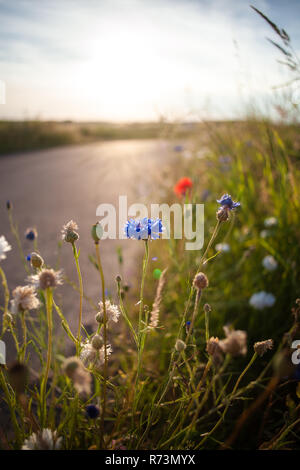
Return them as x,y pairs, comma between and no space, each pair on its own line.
46,278
262,347
69,233
23,298
200,281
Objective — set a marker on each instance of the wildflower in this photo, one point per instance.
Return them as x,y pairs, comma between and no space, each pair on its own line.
4,247
262,347
180,345
112,312
69,233
182,186
94,357
92,411
24,298
226,201
261,300
97,342
46,278
18,376
235,342
270,263
270,222
81,378
36,260
144,229
31,234
224,247
43,440
154,315
200,281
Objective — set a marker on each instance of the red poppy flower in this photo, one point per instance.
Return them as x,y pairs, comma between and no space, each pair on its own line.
182,186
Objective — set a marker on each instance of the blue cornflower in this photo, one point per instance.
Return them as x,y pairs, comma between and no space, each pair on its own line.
92,411
143,229
28,257
31,234
227,201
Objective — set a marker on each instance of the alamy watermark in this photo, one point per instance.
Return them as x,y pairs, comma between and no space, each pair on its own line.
188,220
296,354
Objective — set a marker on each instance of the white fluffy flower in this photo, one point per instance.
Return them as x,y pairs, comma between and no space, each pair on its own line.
222,247
4,247
270,222
270,263
112,312
261,300
24,298
94,357
44,440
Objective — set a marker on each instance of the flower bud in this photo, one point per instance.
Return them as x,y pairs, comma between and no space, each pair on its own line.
180,345
99,317
200,281
118,279
97,342
36,260
97,232
223,214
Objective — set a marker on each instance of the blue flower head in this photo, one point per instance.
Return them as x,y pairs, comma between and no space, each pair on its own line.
227,201
92,411
31,234
28,257
143,229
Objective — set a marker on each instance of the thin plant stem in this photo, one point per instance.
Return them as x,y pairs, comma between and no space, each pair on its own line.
103,390
15,232
24,328
228,404
49,304
11,406
76,257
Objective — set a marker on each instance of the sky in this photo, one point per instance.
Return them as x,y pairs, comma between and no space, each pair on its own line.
131,60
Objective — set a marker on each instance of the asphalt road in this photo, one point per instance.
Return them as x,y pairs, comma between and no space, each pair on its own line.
48,188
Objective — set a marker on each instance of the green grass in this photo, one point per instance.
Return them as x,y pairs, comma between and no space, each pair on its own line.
180,400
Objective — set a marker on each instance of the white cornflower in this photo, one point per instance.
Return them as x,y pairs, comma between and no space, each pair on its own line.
24,298
261,300
270,222
46,278
4,247
222,247
112,312
43,440
270,263
93,357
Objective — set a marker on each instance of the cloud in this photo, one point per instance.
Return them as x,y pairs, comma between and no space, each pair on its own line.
134,59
